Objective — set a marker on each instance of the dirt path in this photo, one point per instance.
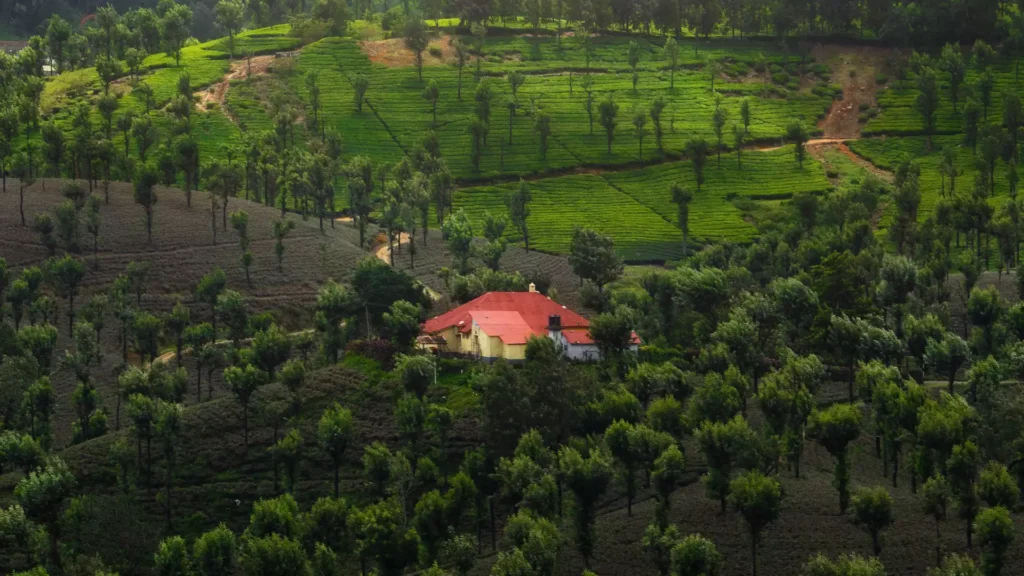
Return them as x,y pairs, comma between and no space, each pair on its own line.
819,149
384,255
240,69
384,252
809,143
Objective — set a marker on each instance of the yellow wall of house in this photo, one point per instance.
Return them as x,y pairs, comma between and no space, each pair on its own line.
494,347
490,346
515,352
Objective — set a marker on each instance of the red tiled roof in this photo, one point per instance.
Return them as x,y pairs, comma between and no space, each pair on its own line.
514,317
509,326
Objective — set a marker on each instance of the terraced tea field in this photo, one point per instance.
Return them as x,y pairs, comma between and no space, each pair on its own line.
624,199
887,153
559,204
635,206
897,114
395,100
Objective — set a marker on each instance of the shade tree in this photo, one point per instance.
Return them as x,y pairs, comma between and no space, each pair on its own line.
722,444
695,555
758,499
335,432
995,535
243,382
872,509
835,428
588,479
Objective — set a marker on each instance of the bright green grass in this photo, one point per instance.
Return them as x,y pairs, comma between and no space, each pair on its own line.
899,116
559,204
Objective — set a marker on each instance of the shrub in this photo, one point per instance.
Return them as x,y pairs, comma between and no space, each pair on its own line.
434,51
881,78
780,77
383,351
283,66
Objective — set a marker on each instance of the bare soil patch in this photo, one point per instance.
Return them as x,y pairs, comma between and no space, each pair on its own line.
392,52
854,68
240,69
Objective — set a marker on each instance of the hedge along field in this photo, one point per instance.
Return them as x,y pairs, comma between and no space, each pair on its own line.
559,204
897,114
395,98
887,153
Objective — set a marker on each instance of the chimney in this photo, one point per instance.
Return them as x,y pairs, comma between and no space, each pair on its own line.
555,322
533,287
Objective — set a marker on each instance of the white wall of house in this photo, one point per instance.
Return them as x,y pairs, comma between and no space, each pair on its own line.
580,352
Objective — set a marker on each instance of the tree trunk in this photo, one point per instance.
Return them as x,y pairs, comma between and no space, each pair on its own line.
494,537
170,476
753,555
895,467
54,530
337,465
